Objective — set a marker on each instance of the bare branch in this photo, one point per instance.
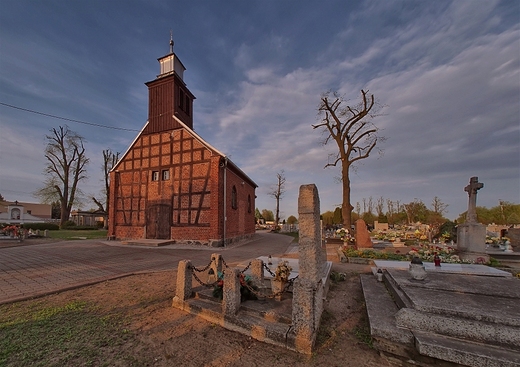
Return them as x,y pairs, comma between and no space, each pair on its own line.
355,137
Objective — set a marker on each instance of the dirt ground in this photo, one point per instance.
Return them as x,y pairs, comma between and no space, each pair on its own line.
160,335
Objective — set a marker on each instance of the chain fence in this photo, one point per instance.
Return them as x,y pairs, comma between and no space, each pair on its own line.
254,290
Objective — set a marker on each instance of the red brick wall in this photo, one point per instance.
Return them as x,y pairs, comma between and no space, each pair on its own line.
192,195
240,220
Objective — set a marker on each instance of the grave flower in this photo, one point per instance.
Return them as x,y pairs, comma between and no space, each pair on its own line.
247,288
283,271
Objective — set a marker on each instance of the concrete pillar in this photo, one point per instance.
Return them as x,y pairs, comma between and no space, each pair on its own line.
184,274
257,272
231,292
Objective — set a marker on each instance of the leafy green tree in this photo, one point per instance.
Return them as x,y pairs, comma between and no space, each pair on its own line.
416,211
292,220
338,218
327,218
506,213
369,218
354,134
267,215
448,227
258,215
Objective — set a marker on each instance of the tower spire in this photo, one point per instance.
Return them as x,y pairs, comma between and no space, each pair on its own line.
171,41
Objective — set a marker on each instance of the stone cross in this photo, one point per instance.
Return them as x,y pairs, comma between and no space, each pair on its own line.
472,189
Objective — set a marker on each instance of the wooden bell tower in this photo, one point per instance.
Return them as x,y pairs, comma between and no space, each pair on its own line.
169,96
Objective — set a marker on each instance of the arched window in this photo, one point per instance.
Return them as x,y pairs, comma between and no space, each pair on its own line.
249,203
234,197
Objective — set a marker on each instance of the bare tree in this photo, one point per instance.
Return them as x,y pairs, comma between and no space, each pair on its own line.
66,167
354,134
370,205
277,192
380,206
438,207
109,161
390,210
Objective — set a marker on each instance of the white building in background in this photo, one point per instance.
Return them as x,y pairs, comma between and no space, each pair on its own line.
20,213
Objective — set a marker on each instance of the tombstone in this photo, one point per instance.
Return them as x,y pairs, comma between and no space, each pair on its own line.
308,287
471,235
362,236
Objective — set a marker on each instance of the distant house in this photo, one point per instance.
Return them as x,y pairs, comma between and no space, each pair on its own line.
87,218
19,213
173,185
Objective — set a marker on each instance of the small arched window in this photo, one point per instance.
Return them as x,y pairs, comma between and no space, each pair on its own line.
249,203
234,197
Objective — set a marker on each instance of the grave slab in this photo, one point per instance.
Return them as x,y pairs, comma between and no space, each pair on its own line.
468,314
468,269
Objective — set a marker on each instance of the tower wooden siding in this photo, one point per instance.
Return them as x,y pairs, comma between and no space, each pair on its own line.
166,95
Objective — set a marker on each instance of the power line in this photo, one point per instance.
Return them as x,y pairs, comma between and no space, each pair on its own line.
66,119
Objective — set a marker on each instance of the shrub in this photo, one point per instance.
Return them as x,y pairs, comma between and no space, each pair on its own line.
68,224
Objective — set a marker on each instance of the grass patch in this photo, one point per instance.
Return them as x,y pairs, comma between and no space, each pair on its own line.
362,332
71,234
72,334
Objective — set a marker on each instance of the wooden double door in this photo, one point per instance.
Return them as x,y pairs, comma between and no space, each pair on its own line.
158,221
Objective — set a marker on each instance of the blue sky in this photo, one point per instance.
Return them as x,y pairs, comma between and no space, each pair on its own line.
447,72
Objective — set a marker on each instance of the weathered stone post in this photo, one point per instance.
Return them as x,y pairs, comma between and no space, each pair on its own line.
257,272
231,292
308,288
215,267
311,254
471,236
183,289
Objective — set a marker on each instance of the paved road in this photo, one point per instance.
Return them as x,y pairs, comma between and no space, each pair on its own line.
36,270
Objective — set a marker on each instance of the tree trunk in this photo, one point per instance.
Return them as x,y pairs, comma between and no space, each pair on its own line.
346,206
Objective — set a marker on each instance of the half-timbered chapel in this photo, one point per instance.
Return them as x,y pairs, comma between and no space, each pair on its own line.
171,184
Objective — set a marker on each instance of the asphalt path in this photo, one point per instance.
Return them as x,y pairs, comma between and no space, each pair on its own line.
36,270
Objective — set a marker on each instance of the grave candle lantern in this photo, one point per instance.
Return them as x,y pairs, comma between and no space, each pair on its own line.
437,260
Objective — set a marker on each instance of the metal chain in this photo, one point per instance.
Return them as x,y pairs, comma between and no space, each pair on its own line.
227,266
247,267
272,295
269,270
201,270
208,285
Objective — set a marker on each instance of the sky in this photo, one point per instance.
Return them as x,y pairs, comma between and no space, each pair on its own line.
446,72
